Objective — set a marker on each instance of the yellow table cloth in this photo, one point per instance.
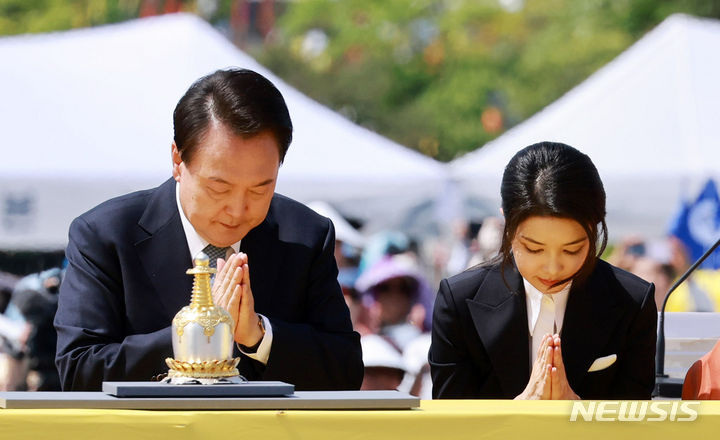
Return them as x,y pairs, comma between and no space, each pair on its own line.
437,420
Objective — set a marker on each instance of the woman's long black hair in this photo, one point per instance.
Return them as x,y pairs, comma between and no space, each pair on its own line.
550,179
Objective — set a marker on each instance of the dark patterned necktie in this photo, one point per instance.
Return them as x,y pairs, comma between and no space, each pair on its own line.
214,252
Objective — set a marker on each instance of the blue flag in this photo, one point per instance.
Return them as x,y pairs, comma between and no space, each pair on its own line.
697,225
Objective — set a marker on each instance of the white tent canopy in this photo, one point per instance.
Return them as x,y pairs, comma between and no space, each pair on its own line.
649,120
87,115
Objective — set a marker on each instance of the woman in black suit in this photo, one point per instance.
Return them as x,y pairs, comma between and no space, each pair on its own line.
547,319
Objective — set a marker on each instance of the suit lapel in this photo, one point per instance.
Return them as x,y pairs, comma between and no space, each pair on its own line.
261,247
590,315
164,253
500,319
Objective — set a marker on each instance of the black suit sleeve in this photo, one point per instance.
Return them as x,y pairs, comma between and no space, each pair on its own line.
323,352
635,378
93,342
454,374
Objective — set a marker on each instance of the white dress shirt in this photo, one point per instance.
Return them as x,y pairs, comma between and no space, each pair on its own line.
196,244
533,300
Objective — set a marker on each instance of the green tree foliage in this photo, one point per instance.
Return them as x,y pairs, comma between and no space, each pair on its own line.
444,77
32,16
441,76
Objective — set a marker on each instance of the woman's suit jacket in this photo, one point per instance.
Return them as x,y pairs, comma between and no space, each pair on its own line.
481,343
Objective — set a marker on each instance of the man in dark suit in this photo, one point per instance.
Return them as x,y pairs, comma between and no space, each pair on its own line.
128,256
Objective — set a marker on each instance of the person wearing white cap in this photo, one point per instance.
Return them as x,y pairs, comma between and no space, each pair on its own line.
384,365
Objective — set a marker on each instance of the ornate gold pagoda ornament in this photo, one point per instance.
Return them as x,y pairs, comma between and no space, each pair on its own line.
202,336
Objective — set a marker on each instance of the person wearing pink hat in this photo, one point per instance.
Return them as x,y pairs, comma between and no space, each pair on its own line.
399,294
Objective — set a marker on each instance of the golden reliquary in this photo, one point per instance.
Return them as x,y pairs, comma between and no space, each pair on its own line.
202,336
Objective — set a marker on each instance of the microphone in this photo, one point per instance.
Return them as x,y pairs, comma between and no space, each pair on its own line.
664,385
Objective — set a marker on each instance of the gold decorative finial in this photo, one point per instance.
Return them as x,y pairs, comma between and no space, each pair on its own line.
202,264
201,292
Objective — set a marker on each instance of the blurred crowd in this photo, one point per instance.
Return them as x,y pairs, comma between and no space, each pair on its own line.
662,261
389,282
27,335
